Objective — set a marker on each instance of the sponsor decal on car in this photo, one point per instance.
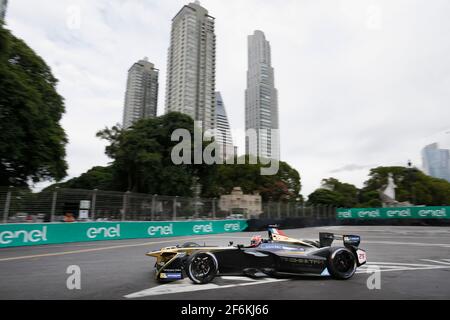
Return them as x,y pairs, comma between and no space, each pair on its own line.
362,256
302,261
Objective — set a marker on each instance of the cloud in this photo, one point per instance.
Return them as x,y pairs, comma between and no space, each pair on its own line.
352,167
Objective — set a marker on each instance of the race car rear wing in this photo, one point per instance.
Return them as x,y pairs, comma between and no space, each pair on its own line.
327,239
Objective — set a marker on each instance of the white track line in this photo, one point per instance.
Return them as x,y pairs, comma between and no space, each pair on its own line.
404,269
437,261
398,264
418,244
187,286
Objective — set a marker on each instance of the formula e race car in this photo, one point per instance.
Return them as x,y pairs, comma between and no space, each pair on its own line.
276,256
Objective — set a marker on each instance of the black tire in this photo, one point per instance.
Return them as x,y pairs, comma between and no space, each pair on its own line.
342,263
202,267
190,245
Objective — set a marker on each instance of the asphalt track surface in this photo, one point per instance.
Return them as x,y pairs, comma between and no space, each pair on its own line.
412,262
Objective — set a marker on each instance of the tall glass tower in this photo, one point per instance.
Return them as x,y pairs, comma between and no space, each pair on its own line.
261,99
436,162
223,131
3,4
191,67
141,97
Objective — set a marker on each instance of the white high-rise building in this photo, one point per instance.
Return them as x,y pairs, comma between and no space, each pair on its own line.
3,4
261,99
141,97
191,74
223,132
436,162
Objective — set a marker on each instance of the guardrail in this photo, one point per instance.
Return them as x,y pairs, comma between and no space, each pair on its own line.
395,213
15,235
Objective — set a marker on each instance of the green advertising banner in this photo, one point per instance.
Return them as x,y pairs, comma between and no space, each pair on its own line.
14,235
395,213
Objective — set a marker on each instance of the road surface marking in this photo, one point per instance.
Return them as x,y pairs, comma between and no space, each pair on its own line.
419,244
187,286
404,269
436,261
398,264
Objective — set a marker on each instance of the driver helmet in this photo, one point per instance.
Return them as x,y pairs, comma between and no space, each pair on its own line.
256,241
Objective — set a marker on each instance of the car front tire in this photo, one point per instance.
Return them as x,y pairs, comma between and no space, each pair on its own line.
202,267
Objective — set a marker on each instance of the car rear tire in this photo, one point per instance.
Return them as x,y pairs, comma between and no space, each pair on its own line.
202,267
342,264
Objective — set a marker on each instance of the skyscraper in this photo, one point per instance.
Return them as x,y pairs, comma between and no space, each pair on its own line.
261,99
191,69
141,97
223,132
436,162
3,4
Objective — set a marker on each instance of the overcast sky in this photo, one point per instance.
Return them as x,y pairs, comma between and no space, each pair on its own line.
362,83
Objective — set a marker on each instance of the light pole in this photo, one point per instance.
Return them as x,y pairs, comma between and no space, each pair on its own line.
411,179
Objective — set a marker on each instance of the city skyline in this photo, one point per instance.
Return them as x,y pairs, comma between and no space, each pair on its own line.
357,90
141,96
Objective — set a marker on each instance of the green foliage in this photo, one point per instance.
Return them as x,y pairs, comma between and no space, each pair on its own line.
100,178
142,156
335,193
285,185
32,142
412,186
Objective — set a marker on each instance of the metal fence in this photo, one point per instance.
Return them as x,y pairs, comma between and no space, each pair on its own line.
21,205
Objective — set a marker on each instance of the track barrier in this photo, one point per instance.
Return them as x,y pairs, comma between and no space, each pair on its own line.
16,235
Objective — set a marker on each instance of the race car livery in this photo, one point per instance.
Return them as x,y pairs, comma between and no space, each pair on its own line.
277,255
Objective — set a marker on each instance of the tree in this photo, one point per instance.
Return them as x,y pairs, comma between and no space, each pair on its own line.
412,186
285,185
325,197
100,178
142,156
335,193
32,142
